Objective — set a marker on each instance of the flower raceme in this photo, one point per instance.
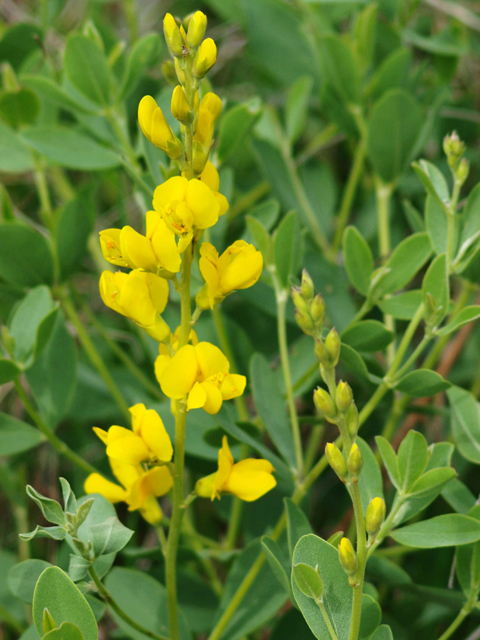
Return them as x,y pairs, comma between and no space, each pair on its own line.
239,267
200,374
138,488
248,479
156,251
147,441
140,296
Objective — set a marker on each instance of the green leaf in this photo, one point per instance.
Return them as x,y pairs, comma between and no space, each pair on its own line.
32,324
70,149
15,157
458,496
337,595
340,68
370,479
144,52
407,259
466,315
271,408
382,633
465,423
358,259
87,69
371,617
296,107
436,284
19,108
467,560
433,181
365,29
261,237
443,531
18,42
8,370
23,577
51,509
353,361
422,383
78,567
66,631
390,461
297,524
54,393
308,580
393,129
402,306
50,90
425,490
279,565
235,126
109,537
412,458
25,257
393,73
74,225
471,225
437,224
57,593
17,436
368,335
287,248
54,533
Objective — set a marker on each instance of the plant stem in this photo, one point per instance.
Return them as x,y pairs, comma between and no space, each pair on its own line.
93,354
383,195
464,611
348,196
247,201
58,444
131,17
113,119
107,597
42,190
362,561
323,139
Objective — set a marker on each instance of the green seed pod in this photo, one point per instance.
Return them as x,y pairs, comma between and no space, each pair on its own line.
336,460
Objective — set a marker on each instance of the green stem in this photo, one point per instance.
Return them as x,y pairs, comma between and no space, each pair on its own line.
316,436
58,444
383,195
206,563
131,17
323,139
247,201
93,354
362,561
406,340
464,611
46,211
113,119
326,618
110,601
348,196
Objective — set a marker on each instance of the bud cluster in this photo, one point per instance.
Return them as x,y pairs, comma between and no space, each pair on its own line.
309,308
454,149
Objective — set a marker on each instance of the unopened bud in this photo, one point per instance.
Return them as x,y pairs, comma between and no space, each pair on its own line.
351,420
299,300
320,351
332,345
181,110
308,288
336,460
180,73
317,310
462,170
305,322
199,157
168,71
205,58
355,461
324,404
344,396
375,516
454,148
197,26
173,36
348,557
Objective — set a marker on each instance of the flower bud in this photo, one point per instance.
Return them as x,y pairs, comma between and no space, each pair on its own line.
355,461
375,516
324,404
320,351
156,129
180,108
196,29
317,310
344,396
453,148
332,345
168,72
308,288
336,460
205,58
199,157
173,37
180,73
304,321
348,557
299,300
462,171
351,420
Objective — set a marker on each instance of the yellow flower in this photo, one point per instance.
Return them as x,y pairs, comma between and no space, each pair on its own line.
208,112
199,373
205,58
148,441
180,108
138,488
168,349
173,36
248,479
156,129
157,251
185,206
196,28
210,177
239,267
140,296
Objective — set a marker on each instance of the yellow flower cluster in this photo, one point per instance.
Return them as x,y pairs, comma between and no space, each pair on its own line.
197,374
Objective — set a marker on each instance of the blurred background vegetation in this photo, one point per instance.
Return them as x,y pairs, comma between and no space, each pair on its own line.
286,141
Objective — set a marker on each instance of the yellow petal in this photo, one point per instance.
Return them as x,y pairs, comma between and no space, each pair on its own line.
209,175
180,374
155,482
95,483
214,398
173,190
250,479
102,434
197,397
210,360
233,385
116,433
184,241
161,364
134,299
208,264
146,109
203,203
151,511
110,244
160,131
212,103
131,450
163,243
137,411
155,436
126,474
158,288
137,250
205,487
225,466
159,331
222,203
110,286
